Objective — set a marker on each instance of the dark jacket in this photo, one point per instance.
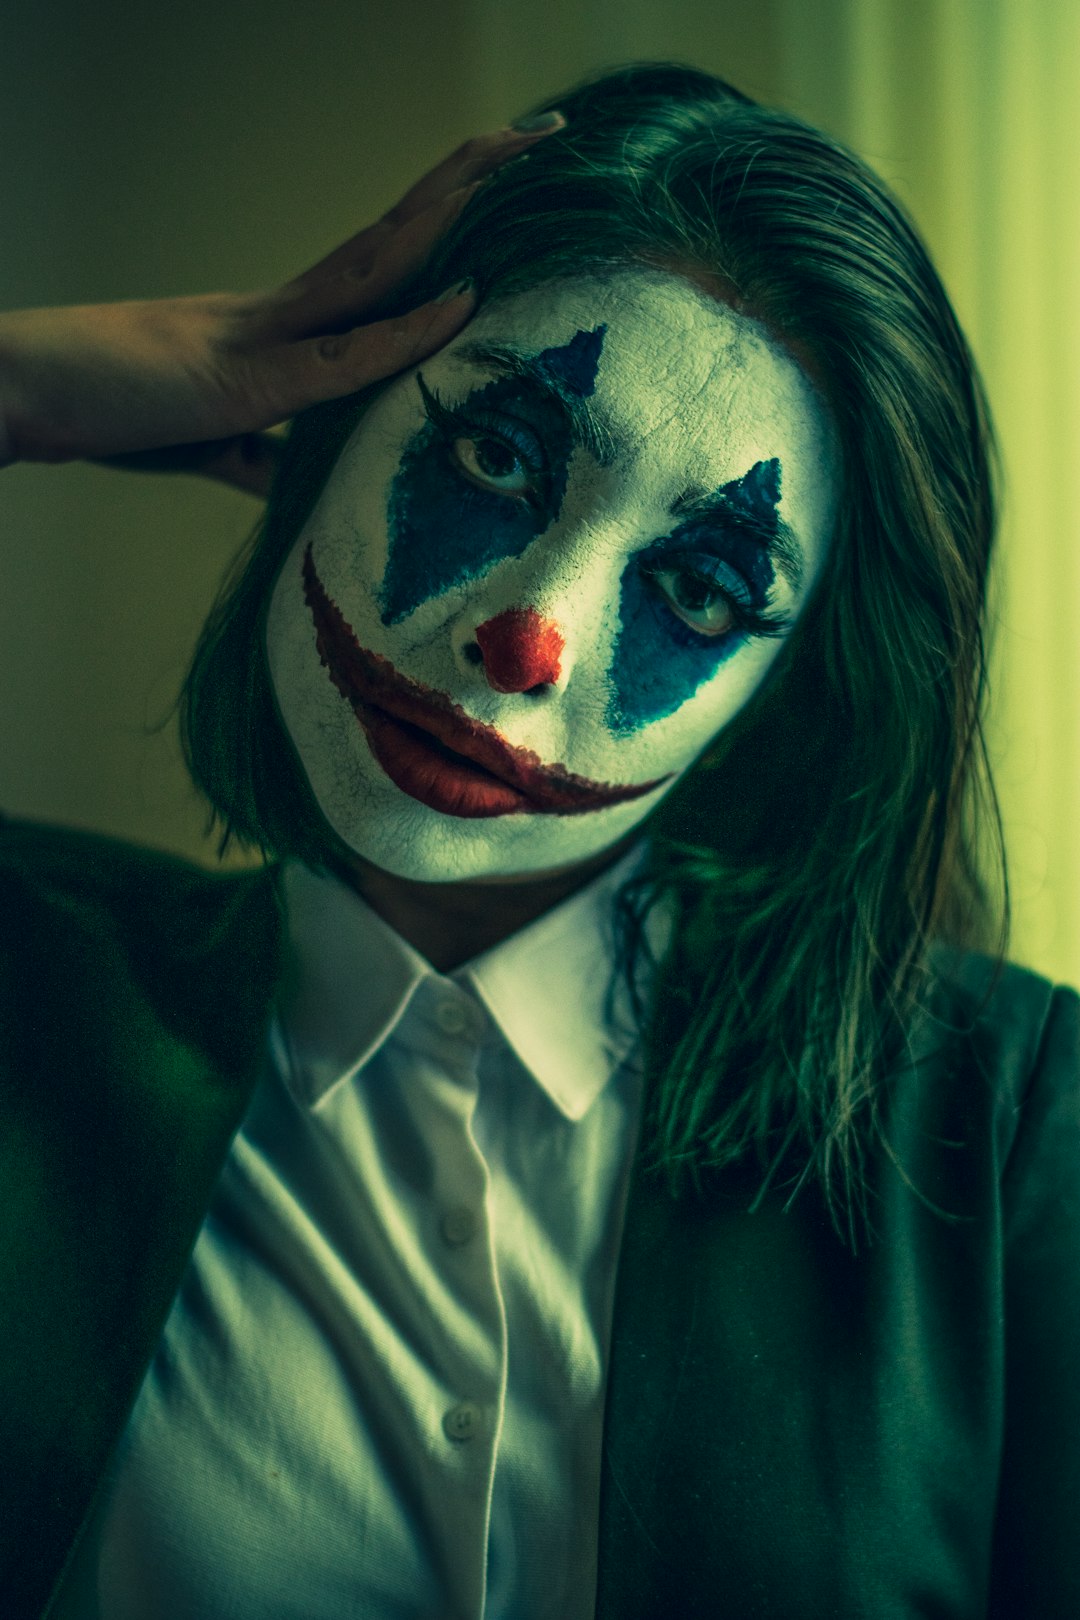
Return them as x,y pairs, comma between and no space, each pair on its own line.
791,1430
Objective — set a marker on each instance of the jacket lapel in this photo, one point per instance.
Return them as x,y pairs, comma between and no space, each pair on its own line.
150,985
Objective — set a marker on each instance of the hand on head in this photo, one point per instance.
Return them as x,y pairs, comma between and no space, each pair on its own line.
191,384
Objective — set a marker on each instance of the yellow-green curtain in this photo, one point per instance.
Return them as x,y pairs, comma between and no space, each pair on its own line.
152,152
971,109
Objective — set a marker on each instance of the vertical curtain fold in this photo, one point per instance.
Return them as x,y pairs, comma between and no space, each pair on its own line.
971,110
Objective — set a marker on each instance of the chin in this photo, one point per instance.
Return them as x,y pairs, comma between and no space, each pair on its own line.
410,841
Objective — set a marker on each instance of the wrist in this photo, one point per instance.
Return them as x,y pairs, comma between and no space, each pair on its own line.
35,412
8,409
18,345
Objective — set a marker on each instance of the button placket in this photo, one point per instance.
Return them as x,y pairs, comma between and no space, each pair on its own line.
452,1017
458,1225
461,1422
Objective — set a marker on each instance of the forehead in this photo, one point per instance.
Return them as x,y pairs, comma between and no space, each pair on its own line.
681,383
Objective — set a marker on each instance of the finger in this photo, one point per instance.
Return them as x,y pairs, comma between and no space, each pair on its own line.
473,160
307,373
465,168
246,461
337,301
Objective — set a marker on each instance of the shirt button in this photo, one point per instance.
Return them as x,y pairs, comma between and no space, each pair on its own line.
451,1017
458,1225
461,1422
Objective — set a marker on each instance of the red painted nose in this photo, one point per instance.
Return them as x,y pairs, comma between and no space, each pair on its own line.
521,650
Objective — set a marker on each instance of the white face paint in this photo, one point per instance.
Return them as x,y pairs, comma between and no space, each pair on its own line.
496,643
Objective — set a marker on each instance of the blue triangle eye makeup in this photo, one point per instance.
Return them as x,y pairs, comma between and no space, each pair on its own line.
727,545
576,364
755,495
453,515
445,530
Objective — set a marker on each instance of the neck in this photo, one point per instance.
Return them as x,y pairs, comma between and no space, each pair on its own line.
450,923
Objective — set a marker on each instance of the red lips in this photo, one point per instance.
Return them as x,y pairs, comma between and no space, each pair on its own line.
431,749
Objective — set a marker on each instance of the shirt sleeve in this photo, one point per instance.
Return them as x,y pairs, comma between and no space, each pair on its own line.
1037,1533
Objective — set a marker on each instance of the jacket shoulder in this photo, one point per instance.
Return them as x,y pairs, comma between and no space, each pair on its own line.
61,863
995,1045
1006,1014
83,915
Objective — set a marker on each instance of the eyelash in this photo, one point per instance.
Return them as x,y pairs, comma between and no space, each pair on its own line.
454,424
746,620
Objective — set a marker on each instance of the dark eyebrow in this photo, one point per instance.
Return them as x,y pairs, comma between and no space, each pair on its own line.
592,430
777,538
590,426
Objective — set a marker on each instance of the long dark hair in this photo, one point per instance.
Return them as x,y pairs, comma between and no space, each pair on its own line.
830,834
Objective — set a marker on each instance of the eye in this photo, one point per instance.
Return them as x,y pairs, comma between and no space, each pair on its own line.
712,597
498,453
494,464
700,602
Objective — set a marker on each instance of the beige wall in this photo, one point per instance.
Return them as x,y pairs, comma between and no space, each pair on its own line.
159,150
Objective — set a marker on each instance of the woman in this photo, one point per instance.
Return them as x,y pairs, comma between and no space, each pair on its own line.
613,657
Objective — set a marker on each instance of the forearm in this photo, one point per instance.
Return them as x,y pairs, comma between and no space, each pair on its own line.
103,379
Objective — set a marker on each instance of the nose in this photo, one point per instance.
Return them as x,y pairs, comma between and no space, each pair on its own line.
521,650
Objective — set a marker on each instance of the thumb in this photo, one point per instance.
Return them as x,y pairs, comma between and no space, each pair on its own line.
246,461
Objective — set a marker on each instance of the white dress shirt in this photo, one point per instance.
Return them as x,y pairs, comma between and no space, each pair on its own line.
380,1390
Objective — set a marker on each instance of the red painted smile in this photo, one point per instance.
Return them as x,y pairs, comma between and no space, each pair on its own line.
431,749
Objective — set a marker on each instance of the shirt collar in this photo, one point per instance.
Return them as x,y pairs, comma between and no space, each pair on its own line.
553,989
556,991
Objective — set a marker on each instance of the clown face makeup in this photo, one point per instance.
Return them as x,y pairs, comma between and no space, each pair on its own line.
550,564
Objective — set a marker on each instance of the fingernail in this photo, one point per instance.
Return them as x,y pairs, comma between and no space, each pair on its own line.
463,287
540,124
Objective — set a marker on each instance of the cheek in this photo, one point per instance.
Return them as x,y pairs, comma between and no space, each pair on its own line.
445,531
658,663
